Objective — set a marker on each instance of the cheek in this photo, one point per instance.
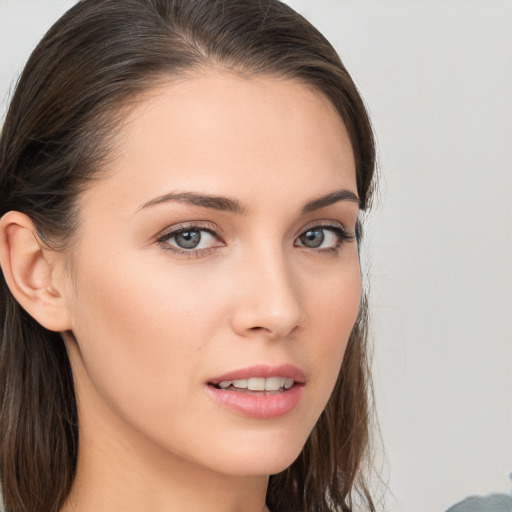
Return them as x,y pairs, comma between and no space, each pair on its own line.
332,307
141,331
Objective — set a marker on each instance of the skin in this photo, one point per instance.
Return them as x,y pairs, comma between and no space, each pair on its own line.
148,326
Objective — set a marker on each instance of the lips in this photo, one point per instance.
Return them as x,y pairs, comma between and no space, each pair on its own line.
259,391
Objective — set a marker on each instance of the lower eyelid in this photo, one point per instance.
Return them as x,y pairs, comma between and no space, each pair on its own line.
191,254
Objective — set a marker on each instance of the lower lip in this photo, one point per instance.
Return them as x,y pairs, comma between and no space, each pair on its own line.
258,405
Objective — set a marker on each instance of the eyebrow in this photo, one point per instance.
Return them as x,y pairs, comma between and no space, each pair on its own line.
224,204
227,204
333,197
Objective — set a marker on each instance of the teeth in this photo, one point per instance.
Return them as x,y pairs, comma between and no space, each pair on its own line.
274,383
242,383
259,383
256,384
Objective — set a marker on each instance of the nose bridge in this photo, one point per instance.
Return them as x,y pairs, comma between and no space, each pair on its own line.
270,300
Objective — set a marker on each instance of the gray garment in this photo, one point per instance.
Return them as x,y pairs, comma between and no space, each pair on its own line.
491,503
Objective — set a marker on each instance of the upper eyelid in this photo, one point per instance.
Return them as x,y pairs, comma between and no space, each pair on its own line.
341,232
218,232
199,225
326,224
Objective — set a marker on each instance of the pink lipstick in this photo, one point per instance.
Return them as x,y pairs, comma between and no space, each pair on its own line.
259,391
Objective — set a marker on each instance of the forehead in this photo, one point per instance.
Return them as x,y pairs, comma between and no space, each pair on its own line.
224,133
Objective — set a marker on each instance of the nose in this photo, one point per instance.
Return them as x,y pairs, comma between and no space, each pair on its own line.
268,302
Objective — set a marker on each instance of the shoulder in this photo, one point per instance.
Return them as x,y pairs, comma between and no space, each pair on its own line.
494,502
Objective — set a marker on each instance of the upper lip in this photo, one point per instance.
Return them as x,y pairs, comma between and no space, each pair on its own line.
288,371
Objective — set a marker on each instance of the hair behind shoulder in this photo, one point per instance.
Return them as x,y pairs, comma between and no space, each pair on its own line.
97,59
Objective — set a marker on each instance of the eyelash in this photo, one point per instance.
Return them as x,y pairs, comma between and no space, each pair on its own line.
340,232
163,240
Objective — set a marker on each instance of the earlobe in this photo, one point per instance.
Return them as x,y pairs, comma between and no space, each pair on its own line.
29,270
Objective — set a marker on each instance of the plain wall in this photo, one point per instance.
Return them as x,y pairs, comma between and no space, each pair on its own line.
437,78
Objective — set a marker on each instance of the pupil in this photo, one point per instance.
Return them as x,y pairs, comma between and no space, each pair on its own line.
188,239
313,238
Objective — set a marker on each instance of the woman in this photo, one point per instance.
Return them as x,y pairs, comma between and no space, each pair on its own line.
183,321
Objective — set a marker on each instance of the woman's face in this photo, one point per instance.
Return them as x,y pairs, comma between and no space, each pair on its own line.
216,257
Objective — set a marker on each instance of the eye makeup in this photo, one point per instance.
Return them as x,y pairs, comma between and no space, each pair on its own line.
198,239
324,237
191,240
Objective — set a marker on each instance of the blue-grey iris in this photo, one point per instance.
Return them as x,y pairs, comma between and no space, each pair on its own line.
188,239
312,238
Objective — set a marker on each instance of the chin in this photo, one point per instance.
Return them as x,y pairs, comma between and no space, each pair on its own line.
271,464
260,457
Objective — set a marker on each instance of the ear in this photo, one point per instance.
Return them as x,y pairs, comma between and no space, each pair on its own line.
33,272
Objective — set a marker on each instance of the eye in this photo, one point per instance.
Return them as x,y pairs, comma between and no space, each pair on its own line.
190,240
324,237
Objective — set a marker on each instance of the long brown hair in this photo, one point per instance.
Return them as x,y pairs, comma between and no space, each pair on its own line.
100,56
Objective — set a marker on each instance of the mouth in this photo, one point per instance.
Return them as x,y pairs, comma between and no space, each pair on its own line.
260,392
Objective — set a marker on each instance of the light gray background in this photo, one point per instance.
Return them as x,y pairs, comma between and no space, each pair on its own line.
437,78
